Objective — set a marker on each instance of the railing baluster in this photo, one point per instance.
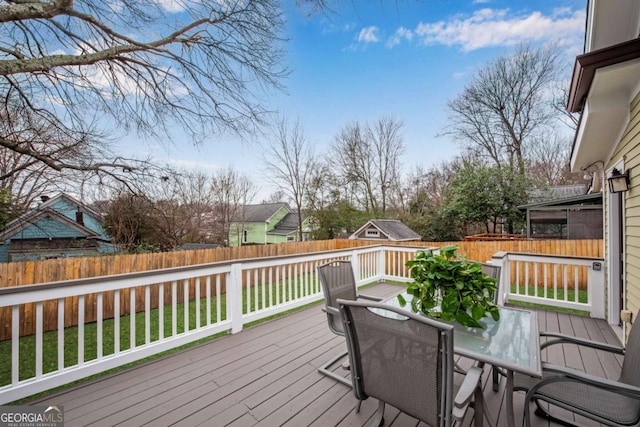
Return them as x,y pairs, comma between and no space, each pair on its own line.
555,281
208,299
116,321
147,314
263,288
248,290
174,308
160,311
197,297
132,318
218,301
185,304
39,321
277,286
99,325
271,286
576,286
256,288
60,334
81,330
15,344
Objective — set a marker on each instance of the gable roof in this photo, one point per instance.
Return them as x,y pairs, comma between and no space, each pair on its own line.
392,228
32,218
260,213
45,209
288,225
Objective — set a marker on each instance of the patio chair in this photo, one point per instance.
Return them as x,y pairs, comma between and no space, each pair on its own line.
610,402
406,360
337,281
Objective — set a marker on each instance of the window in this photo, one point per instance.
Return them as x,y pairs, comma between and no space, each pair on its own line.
244,236
291,238
372,233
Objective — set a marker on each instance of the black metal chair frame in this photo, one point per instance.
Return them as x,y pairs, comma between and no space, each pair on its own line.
333,314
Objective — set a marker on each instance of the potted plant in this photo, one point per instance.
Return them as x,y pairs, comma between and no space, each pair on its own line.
448,287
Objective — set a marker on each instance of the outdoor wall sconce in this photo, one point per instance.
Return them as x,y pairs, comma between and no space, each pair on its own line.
618,182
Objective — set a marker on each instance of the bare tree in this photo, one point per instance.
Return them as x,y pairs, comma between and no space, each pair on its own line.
386,139
231,192
146,65
290,161
505,105
548,160
368,160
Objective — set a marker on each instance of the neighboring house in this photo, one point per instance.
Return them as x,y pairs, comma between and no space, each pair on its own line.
605,89
564,212
266,223
59,227
385,229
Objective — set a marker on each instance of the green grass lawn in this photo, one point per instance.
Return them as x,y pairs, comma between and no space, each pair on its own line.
571,295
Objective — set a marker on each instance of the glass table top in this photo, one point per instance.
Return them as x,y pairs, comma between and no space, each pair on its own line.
512,342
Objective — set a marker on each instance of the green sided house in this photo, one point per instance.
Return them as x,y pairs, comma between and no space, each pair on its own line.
59,227
266,223
605,90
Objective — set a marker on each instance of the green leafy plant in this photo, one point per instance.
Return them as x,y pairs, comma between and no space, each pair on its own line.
448,287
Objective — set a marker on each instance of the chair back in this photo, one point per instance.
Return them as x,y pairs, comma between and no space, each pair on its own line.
400,358
631,364
338,282
493,271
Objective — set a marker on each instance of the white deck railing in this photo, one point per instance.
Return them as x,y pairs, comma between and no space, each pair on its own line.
69,326
558,281
64,331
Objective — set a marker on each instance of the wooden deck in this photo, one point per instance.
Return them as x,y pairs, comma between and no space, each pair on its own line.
267,375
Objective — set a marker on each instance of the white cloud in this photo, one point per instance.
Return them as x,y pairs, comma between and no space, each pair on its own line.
490,27
369,35
173,6
400,35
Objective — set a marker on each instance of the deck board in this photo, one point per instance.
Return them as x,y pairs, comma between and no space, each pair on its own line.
267,376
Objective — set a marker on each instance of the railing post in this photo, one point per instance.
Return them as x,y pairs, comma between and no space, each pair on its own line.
502,259
381,267
595,289
234,298
355,264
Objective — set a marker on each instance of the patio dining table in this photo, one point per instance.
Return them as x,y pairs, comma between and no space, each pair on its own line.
511,343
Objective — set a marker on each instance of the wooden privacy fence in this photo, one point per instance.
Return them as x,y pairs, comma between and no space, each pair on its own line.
33,272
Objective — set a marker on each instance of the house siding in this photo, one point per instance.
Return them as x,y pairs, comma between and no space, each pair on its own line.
629,150
53,227
257,231
69,210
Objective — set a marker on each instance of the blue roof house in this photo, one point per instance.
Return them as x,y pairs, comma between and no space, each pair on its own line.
59,227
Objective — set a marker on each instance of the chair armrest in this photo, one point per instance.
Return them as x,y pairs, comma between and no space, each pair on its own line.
558,338
330,310
369,297
466,391
560,373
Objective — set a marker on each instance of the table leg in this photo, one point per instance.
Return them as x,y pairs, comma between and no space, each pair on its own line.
509,399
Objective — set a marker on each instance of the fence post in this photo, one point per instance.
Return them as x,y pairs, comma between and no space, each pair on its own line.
234,298
502,259
596,290
381,267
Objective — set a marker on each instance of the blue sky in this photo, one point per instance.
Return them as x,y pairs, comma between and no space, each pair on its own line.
401,58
